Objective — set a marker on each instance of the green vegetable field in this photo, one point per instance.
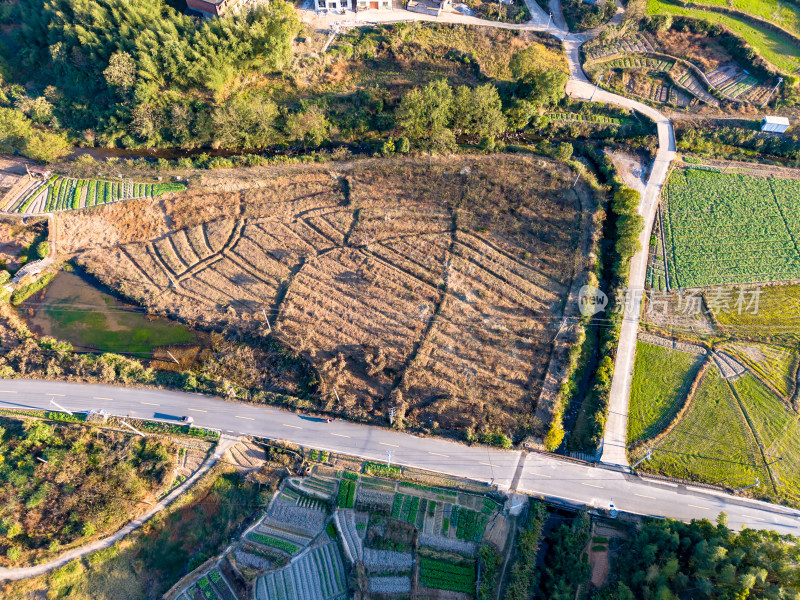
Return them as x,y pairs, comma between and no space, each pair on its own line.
62,193
729,229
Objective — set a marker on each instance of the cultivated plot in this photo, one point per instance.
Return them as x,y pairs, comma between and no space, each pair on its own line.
435,290
725,229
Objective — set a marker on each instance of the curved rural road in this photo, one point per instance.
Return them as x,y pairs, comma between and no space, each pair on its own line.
579,87
540,475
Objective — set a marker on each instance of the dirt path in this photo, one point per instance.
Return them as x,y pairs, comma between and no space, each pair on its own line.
17,573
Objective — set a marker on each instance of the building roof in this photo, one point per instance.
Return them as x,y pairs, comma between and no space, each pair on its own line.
776,120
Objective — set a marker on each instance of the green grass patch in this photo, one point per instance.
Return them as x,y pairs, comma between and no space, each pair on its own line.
775,320
712,442
774,364
661,380
778,430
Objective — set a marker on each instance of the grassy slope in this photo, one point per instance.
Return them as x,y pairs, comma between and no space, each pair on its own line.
774,48
713,442
777,367
777,318
783,14
147,563
661,379
778,430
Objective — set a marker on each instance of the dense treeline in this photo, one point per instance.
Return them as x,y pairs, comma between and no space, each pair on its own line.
735,142
670,559
566,562
59,484
108,73
141,73
524,577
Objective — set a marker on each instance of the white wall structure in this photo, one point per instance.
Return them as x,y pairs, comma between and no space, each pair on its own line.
774,124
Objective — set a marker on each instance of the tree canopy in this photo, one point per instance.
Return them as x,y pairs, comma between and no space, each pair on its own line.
670,559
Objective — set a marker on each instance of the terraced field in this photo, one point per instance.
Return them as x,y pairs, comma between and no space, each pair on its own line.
776,49
437,292
317,575
726,229
62,193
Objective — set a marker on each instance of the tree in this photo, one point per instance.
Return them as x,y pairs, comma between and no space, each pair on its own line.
121,71
245,122
43,249
520,114
17,133
309,125
543,87
564,151
426,112
478,112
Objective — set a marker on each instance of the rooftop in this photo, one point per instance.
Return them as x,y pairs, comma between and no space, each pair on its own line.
776,120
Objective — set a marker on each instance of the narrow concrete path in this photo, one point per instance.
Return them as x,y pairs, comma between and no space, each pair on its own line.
579,87
17,573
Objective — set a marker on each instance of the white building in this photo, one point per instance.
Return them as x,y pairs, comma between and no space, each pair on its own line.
352,5
775,124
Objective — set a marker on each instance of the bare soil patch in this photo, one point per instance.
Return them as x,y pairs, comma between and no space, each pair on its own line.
695,47
434,289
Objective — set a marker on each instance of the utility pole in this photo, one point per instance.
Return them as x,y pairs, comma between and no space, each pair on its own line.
61,408
644,458
550,18
389,458
596,85
747,487
574,183
337,395
132,428
392,414
173,358
775,89
269,327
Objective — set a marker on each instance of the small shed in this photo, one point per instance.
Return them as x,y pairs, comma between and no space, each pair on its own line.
774,124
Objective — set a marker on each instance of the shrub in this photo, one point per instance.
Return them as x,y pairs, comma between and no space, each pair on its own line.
43,249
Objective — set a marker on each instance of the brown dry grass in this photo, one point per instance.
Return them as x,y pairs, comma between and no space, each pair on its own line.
698,48
433,288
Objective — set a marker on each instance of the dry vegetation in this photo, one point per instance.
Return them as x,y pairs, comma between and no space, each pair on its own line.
434,289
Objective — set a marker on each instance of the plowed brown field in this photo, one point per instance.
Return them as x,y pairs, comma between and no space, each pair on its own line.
434,288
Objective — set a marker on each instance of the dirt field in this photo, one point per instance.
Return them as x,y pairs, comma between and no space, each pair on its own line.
698,48
435,289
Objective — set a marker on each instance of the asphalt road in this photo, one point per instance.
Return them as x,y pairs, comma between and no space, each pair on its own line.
535,474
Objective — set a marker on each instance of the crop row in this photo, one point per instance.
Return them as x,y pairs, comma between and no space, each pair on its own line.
266,540
64,193
443,575
724,229
347,494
